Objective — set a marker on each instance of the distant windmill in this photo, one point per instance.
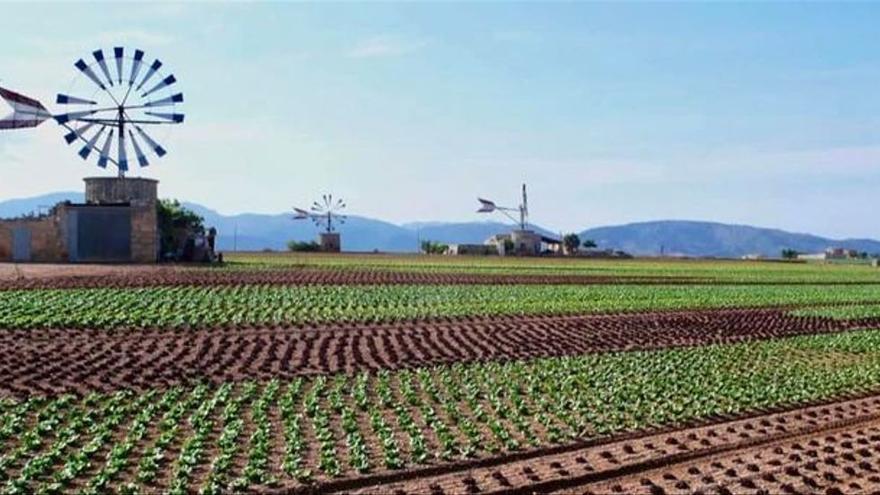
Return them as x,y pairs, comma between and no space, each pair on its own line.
523,209
523,241
326,215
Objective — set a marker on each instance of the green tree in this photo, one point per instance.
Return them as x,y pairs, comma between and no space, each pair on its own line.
571,242
589,243
432,247
176,223
509,247
789,254
303,247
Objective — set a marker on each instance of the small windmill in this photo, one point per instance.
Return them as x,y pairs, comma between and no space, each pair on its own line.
524,241
324,214
487,206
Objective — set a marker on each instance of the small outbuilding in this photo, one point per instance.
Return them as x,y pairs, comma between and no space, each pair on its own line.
117,223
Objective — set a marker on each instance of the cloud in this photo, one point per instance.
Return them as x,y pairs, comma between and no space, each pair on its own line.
135,37
83,45
386,46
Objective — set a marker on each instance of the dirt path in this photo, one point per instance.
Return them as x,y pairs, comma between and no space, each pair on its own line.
833,448
53,361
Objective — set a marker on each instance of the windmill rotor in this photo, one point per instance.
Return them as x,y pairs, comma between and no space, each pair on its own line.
324,213
489,206
114,108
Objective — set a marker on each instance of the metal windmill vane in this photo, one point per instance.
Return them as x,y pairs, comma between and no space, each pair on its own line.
323,213
487,206
116,106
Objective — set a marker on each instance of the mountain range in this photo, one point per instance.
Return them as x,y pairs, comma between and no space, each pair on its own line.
250,231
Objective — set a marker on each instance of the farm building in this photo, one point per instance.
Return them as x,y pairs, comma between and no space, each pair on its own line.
524,243
472,249
830,254
117,223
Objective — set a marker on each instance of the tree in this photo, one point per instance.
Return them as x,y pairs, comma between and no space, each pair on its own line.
303,247
176,224
571,242
589,244
432,247
789,254
509,247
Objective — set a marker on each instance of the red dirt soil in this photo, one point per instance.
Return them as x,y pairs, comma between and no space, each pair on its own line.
832,448
14,277
50,276
70,360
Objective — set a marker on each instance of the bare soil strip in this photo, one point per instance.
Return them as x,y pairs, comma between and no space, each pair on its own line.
831,448
47,362
124,276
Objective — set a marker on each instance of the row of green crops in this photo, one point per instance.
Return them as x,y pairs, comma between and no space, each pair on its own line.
313,429
716,270
205,306
854,312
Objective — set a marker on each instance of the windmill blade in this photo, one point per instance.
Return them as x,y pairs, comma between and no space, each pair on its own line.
135,66
90,145
177,118
118,52
67,117
160,151
152,70
99,57
26,112
73,100
486,206
78,133
105,151
141,157
122,153
300,214
164,102
164,83
85,69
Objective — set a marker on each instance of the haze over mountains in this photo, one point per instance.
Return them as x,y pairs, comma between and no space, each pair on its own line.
250,231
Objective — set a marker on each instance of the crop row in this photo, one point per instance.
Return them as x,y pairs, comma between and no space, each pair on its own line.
854,312
718,270
215,439
206,306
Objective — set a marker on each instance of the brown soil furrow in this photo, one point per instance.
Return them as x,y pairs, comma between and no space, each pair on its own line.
735,455
71,276
166,276
92,360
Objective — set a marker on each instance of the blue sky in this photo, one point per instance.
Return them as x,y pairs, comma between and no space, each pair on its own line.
765,114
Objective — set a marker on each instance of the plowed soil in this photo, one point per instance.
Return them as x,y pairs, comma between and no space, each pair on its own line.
832,448
19,277
70,360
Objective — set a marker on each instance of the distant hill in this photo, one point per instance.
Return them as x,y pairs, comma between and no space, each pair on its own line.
689,238
25,206
249,231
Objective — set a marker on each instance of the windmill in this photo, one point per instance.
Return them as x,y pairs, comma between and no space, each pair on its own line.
324,214
112,109
487,206
522,240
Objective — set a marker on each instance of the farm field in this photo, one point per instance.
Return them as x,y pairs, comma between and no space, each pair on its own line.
313,373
